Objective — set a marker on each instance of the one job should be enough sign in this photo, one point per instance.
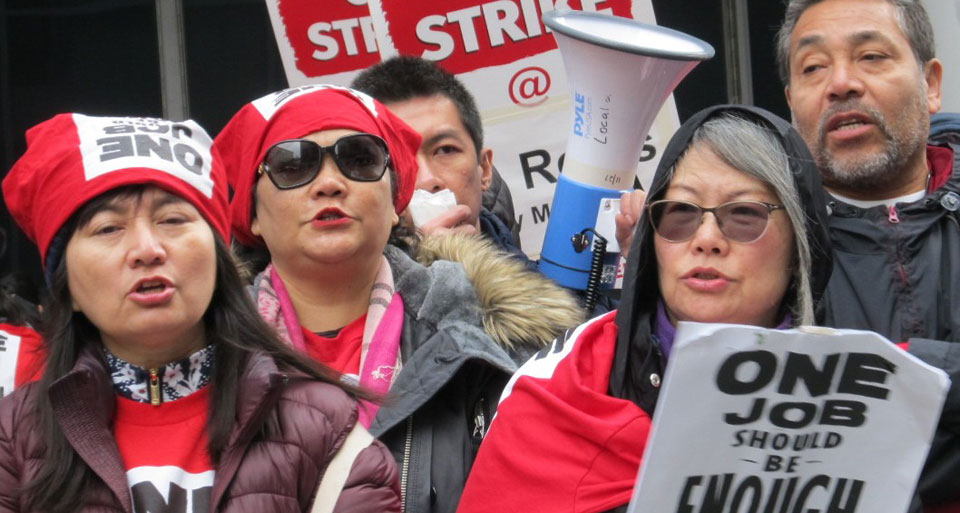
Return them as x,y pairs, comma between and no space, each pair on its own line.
765,421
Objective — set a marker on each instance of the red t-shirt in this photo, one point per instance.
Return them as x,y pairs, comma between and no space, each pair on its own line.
21,357
164,451
342,352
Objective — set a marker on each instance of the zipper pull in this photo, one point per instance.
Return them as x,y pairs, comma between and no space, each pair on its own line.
479,419
893,217
154,388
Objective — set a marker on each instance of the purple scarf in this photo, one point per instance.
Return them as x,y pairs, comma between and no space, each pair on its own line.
665,331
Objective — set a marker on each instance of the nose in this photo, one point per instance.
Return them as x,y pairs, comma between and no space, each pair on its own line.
708,238
146,248
844,82
427,179
330,181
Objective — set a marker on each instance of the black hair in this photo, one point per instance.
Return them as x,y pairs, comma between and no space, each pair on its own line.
15,308
232,325
406,77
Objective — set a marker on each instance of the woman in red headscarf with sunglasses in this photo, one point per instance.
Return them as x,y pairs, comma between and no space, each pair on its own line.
320,175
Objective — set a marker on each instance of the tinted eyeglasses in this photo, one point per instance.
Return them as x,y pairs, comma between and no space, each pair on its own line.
296,162
741,221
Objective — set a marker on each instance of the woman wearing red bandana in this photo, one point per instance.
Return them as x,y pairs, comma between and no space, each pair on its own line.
163,390
320,174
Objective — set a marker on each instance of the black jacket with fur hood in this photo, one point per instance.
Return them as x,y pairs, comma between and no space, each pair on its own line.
471,313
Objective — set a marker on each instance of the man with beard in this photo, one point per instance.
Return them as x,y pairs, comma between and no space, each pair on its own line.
862,81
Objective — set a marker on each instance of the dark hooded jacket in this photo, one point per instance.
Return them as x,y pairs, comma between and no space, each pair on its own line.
897,274
570,428
638,356
896,270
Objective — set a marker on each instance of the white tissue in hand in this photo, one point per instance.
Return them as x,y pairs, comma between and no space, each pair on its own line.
425,205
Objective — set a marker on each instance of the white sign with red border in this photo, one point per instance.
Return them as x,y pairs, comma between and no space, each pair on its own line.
502,52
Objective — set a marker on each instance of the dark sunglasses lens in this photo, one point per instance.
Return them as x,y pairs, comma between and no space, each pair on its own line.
292,163
743,221
361,157
675,221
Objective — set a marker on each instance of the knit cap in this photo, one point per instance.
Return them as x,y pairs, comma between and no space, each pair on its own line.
298,112
73,158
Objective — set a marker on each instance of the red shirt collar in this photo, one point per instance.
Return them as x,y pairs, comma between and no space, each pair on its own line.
940,165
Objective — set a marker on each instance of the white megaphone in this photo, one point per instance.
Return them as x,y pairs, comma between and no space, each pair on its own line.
620,73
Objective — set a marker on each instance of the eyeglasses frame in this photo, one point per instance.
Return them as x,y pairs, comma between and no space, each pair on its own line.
771,208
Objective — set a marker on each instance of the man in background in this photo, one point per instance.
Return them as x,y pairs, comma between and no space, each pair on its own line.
452,155
862,82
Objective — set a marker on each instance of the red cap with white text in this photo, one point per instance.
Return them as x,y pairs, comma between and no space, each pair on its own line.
73,158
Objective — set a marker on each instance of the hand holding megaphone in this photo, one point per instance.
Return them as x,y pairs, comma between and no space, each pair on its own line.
631,210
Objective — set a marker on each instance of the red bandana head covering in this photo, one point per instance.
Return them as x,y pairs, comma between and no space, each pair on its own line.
298,112
73,158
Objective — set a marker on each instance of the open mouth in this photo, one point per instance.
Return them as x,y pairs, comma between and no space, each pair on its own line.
703,275
849,125
330,216
151,287
849,120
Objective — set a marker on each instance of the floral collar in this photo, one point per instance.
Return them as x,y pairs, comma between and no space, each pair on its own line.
170,382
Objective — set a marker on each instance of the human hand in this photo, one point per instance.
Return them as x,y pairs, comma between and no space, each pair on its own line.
451,221
631,209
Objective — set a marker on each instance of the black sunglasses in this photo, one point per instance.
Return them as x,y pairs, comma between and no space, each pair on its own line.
296,162
741,221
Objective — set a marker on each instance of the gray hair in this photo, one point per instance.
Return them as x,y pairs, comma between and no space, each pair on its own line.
911,17
757,151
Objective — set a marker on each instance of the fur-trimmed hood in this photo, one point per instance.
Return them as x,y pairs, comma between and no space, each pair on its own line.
467,278
476,311
519,307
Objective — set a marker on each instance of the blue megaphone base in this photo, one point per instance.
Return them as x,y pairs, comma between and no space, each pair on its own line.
575,208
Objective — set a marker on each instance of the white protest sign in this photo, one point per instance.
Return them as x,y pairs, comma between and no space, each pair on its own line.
756,420
323,42
502,52
9,354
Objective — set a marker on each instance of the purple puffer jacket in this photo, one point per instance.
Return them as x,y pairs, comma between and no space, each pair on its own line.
279,472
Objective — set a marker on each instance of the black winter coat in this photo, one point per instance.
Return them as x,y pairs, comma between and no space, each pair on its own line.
900,276
897,274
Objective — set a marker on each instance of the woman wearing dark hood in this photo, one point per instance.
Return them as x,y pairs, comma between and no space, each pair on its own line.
572,424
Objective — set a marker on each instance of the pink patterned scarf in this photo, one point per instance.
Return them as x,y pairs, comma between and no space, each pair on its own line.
380,351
